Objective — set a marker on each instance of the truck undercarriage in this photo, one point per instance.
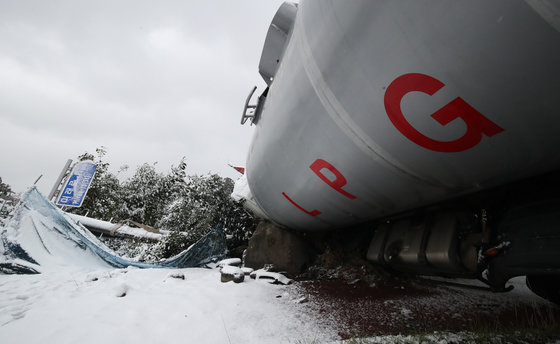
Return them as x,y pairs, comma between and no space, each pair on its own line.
513,230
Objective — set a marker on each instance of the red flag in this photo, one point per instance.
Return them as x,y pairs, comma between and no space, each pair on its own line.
238,169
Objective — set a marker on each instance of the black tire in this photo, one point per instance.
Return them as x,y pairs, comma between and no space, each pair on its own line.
547,287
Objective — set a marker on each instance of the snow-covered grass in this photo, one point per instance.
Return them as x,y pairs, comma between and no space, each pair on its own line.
150,306
159,306
77,297
515,337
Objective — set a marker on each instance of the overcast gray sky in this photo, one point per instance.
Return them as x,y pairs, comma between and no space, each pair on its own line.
149,80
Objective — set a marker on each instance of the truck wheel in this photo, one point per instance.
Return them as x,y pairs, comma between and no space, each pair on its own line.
547,287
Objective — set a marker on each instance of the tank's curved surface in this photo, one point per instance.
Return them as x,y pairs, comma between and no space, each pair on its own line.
379,107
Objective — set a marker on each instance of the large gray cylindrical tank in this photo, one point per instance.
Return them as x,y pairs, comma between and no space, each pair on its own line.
382,106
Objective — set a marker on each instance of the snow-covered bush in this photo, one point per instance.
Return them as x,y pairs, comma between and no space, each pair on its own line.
147,193
134,249
8,200
174,244
173,201
203,204
143,196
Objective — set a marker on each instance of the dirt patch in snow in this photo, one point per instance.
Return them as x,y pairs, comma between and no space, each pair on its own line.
408,306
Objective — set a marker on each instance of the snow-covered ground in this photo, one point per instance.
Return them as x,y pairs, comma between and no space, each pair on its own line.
158,306
149,306
79,298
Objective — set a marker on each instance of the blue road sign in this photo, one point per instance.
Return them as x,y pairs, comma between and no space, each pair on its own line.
77,185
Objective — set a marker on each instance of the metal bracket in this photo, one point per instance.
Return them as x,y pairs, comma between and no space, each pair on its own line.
249,110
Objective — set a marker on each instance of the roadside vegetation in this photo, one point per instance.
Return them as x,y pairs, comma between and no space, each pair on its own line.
187,206
183,206
8,200
525,336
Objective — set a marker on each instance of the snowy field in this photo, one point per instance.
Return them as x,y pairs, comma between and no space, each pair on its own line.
149,306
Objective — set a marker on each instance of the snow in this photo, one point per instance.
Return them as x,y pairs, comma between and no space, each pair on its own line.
242,193
48,239
230,261
148,306
78,297
41,245
108,226
232,270
158,306
89,222
241,189
247,270
271,277
138,233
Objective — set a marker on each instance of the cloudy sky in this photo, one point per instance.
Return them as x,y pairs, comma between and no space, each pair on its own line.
152,81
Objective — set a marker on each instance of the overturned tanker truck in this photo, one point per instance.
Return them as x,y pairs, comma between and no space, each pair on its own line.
437,123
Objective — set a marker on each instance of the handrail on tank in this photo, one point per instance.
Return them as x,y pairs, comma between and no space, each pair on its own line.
248,110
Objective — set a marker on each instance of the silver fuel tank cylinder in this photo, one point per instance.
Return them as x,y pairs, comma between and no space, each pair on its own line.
377,107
